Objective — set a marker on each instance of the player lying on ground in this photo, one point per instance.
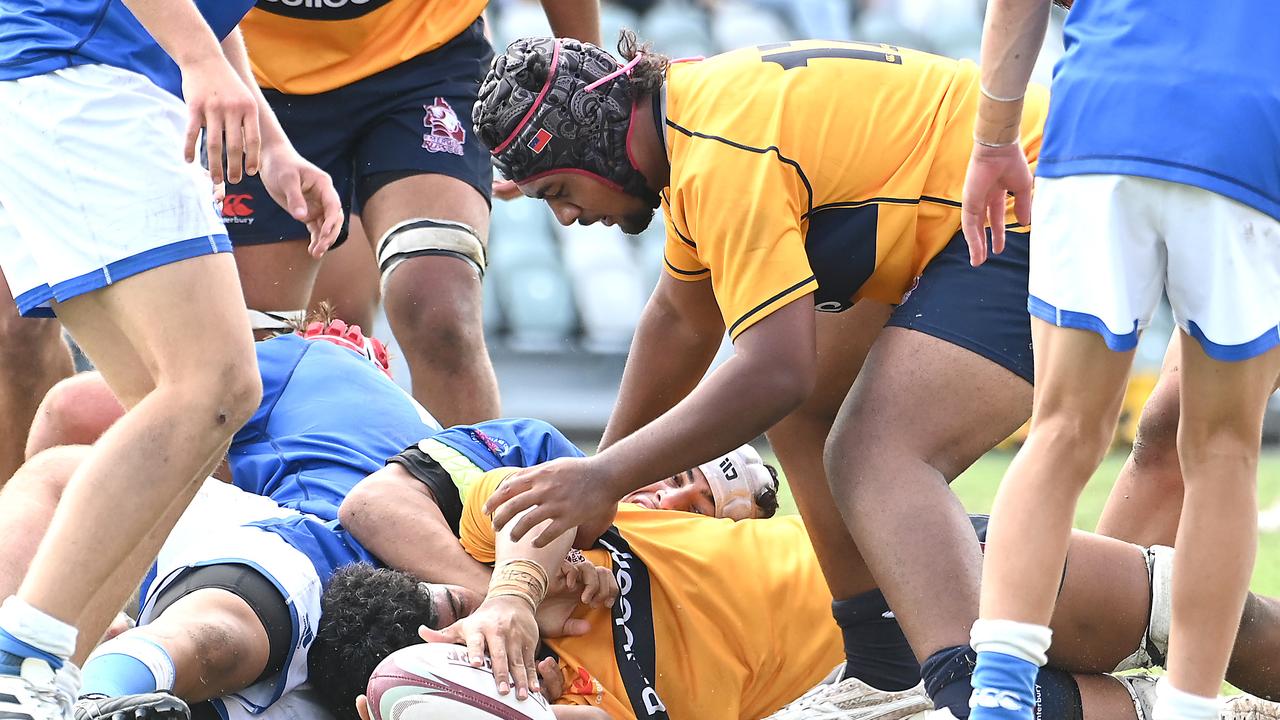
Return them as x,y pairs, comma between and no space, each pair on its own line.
712,639
224,629
782,196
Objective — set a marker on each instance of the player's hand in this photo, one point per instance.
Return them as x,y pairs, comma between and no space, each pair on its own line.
598,586
552,680
218,101
992,173
362,707
503,626
506,190
572,492
305,192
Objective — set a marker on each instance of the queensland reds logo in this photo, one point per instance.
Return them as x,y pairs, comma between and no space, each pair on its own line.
447,133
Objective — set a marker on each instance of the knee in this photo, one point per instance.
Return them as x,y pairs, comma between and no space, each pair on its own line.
224,398
1156,442
1076,444
448,341
220,650
75,411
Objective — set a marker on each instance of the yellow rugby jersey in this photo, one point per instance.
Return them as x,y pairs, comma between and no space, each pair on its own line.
833,168
304,47
741,615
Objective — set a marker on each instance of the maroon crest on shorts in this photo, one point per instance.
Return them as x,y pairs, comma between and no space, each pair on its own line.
446,133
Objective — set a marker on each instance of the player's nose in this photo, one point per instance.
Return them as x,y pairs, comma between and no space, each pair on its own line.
565,213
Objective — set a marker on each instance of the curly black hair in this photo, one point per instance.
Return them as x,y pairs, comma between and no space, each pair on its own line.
366,613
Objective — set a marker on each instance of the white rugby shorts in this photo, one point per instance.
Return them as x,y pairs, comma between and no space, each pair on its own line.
212,531
93,185
1106,246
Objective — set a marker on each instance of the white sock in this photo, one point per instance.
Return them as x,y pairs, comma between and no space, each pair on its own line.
37,628
1025,641
1174,704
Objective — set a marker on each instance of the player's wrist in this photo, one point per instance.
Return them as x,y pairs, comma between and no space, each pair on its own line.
519,580
999,120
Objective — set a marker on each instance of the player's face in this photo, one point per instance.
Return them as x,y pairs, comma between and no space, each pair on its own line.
687,491
576,198
451,602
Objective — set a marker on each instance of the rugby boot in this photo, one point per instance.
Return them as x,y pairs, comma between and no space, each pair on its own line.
34,694
852,699
143,706
1248,707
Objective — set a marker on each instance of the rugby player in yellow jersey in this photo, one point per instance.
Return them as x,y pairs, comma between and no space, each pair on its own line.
725,621
793,177
378,93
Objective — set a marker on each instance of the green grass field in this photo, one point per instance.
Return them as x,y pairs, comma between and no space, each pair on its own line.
977,489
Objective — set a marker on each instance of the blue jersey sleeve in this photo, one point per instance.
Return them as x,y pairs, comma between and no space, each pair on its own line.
512,442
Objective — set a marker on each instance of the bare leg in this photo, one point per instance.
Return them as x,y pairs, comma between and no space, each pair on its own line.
433,302
348,280
174,344
276,276
33,357
1218,439
921,411
1104,698
1145,502
1070,432
1103,607
217,643
1255,659
843,341
27,504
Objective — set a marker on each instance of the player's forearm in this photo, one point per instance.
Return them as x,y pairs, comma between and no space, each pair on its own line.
738,402
396,519
1011,39
238,55
178,27
548,558
578,19
669,355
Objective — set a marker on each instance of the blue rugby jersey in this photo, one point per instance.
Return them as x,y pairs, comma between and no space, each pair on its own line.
508,442
1177,91
328,418
40,36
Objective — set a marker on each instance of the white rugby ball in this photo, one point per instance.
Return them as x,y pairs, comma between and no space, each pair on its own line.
436,681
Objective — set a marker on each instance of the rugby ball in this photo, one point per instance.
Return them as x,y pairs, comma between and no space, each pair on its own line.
436,681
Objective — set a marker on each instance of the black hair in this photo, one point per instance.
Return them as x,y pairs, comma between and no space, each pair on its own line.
366,613
767,497
1064,4
648,74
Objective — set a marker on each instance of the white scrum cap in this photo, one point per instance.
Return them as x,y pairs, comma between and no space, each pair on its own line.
735,479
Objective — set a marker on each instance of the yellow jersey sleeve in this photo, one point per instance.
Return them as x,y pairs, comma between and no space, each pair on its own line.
475,529
742,211
680,258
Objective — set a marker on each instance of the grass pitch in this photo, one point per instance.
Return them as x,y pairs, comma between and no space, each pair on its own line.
977,489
